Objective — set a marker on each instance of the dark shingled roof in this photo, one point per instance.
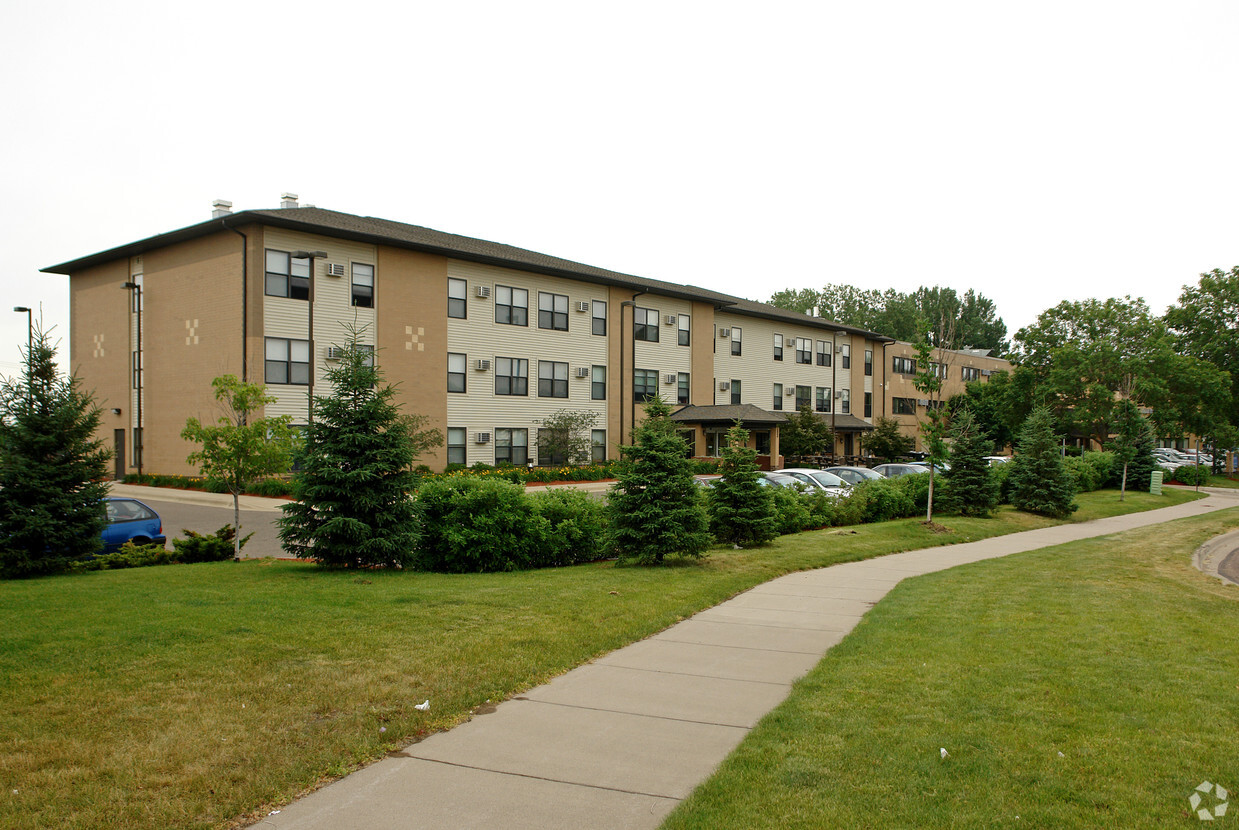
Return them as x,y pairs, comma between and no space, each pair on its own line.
376,231
744,412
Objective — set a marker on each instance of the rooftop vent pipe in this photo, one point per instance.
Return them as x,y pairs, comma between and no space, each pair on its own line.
288,200
221,207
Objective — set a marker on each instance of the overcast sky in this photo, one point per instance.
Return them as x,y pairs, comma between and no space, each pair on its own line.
1033,151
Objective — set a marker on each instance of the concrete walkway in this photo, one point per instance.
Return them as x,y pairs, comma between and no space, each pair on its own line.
617,743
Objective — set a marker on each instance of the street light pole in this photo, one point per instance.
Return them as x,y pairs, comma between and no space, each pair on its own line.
135,293
311,256
29,352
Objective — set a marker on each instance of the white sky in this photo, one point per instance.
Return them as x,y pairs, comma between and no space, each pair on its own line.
1033,151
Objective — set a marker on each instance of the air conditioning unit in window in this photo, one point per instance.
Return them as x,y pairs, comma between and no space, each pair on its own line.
334,352
724,333
669,379
483,292
922,401
582,306
671,319
482,365
481,438
839,395
986,373
789,391
723,386
582,371
790,339
838,350
335,269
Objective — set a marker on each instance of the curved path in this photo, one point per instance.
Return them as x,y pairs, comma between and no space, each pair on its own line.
615,744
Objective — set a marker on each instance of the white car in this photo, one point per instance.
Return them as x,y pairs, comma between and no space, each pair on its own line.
829,483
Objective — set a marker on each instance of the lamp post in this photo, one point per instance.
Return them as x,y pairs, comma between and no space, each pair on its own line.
29,351
311,256
135,293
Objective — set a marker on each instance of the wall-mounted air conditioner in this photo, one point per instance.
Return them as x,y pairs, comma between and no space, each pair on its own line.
482,365
481,438
839,394
986,373
582,306
838,350
334,352
671,319
669,379
335,269
582,371
723,386
789,391
483,292
724,333
922,401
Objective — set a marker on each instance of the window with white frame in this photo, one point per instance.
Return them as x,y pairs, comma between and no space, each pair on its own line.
644,384
804,352
684,330
778,396
287,361
456,445
287,277
599,309
845,401
846,354
778,347
803,394
737,347
823,352
457,294
868,404
511,446
735,392
598,383
456,364
363,285
823,399
511,306
645,324
681,388
552,379
511,376
552,311
598,445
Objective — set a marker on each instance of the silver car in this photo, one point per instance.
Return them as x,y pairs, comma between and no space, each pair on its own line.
829,483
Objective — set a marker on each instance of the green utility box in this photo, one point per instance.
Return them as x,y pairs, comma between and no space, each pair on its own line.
1155,483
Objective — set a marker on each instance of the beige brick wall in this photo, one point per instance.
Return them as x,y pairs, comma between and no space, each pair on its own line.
99,353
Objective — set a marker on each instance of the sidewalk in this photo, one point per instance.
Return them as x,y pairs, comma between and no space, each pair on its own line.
615,744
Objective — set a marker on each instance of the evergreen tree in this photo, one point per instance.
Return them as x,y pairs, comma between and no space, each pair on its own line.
970,486
655,505
887,442
240,447
352,494
741,509
1039,479
52,468
805,433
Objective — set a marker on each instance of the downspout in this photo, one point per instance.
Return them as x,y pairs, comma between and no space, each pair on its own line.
632,402
245,272
885,343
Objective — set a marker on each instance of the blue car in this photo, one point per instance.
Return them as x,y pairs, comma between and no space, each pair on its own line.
130,519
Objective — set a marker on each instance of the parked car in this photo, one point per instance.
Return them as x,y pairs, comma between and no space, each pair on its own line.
994,460
940,467
780,480
131,520
829,483
854,475
896,470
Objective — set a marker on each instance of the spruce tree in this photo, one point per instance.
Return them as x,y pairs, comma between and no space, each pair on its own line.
741,509
52,468
1039,479
352,492
970,486
655,505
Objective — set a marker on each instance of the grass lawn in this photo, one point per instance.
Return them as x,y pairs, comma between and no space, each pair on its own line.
1088,685
202,695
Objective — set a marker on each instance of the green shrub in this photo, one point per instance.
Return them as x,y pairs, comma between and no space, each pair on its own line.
1190,474
886,499
271,487
576,527
1103,464
851,509
1002,476
823,509
916,488
129,556
473,524
196,547
1082,474
791,510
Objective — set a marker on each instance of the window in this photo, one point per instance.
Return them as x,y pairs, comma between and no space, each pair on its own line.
551,447
135,452
969,373
135,369
598,383
511,376
903,406
681,388
736,346
552,379
457,291
511,306
903,365
645,324
823,399
803,350
598,445
845,401
761,441
778,347
934,404
778,396
684,330
847,356
823,352
287,277
802,397
456,445
552,311
644,384
456,364
288,361
868,363
600,317
512,446
363,285
868,404
938,370
735,391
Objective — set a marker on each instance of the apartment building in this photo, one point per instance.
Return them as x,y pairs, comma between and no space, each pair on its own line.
485,339
907,405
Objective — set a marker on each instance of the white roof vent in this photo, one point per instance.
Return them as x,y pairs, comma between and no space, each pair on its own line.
288,200
221,207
